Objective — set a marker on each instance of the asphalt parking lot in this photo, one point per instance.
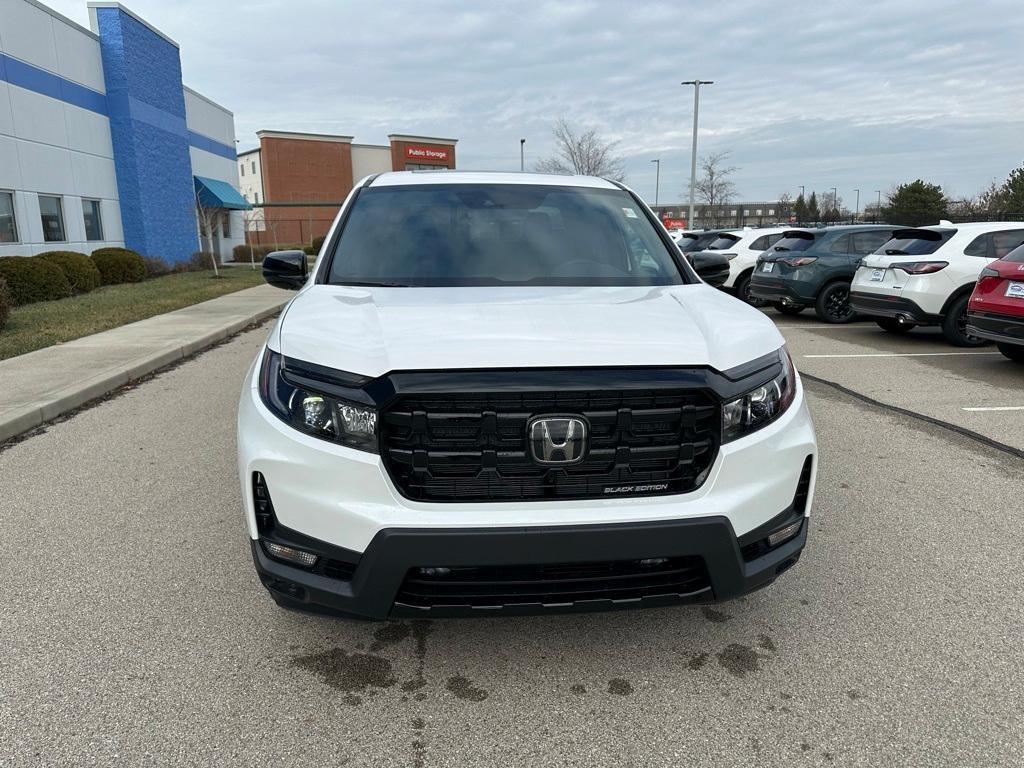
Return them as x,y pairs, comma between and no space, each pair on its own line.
135,631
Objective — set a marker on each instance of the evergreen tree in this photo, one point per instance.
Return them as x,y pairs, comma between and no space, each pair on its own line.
916,204
1012,192
813,214
800,209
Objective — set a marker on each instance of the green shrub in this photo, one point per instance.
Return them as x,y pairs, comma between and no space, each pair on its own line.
5,303
30,279
156,267
119,265
78,268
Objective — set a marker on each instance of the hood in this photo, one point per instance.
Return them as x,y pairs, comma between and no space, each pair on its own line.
371,331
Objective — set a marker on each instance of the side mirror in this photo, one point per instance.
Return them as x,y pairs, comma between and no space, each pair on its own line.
711,267
286,269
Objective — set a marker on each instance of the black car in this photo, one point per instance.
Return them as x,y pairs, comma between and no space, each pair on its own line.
698,239
814,268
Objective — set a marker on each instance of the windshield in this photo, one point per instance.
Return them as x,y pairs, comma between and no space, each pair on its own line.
722,243
1016,255
499,234
793,243
697,241
915,242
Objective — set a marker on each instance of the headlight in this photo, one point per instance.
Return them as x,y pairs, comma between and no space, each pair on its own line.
762,405
315,413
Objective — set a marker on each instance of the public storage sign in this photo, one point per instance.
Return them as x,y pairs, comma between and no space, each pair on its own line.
419,152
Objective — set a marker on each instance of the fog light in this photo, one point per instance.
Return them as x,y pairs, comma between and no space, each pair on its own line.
652,562
290,554
784,534
431,572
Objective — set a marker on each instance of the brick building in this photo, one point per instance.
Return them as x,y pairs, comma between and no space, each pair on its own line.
297,181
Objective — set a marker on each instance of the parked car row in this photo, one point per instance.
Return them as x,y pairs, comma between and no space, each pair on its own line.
902,277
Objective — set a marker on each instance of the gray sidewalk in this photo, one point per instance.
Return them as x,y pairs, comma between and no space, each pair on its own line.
41,385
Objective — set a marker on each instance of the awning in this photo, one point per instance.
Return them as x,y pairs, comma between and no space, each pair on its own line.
219,194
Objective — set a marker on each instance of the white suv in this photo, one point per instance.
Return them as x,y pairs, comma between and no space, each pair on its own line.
924,276
511,392
742,247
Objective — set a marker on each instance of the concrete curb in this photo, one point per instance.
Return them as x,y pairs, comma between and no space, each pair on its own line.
201,327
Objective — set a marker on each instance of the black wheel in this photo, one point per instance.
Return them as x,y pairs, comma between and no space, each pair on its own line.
743,292
954,325
833,304
788,309
1013,351
892,325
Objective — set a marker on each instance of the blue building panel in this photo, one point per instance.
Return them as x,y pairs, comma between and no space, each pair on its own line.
146,108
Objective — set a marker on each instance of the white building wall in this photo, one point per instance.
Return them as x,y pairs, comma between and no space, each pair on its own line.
48,146
213,121
250,182
368,159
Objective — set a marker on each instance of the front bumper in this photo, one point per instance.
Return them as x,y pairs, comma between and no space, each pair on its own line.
1006,329
377,587
342,502
885,305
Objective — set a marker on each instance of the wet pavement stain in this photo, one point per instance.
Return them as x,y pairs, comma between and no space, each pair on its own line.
419,753
715,616
786,696
805,747
418,724
352,700
805,602
349,672
463,688
738,660
619,687
854,695
578,690
389,634
697,661
765,642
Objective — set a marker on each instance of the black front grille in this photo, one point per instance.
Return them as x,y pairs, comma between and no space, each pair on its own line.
554,584
474,447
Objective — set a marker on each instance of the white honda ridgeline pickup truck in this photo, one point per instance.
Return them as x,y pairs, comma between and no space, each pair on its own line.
511,392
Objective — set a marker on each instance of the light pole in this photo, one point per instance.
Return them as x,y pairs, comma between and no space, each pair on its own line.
801,190
856,209
522,155
835,202
693,155
657,179
878,210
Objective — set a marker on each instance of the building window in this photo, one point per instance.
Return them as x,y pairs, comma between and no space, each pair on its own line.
225,225
241,169
93,222
8,223
257,196
746,211
732,212
254,166
758,212
52,215
771,211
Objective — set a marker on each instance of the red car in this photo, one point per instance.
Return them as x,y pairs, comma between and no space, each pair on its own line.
996,308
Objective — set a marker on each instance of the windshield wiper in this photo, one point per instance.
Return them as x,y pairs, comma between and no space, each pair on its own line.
374,284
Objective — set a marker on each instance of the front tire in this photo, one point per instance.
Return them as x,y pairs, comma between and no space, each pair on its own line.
1013,351
833,304
743,292
892,325
790,310
954,325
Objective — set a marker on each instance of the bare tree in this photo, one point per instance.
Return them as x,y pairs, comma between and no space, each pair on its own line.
714,186
208,219
582,152
252,218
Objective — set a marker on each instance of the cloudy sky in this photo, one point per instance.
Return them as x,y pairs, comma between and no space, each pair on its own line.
852,95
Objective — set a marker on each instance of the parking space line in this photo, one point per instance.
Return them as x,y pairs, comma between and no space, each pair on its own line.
906,354
997,408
